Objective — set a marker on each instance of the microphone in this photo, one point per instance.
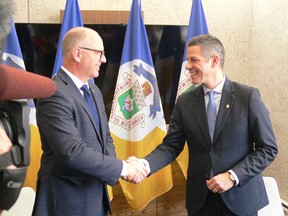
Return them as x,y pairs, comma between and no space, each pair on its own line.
20,84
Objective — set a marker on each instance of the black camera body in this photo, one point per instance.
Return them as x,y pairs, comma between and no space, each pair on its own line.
14,118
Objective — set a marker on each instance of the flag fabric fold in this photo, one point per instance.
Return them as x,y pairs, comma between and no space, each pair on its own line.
197,26
72,18
136,120
12,56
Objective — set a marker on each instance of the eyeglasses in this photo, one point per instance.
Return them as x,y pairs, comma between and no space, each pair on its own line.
102,52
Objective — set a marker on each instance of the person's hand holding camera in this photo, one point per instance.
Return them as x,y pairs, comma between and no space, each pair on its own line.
5,145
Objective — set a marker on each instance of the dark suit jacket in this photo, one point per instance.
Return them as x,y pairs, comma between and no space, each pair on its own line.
244,141
77,160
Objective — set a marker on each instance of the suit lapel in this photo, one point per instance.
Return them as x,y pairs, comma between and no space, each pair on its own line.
227,100
200,113
75,91
100,117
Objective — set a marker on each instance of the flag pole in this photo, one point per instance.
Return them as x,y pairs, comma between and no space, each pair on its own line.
136,120
197,26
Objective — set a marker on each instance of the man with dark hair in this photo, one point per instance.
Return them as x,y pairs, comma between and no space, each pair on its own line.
229,135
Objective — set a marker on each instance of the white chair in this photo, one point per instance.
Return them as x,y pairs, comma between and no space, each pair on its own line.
24,204
275,207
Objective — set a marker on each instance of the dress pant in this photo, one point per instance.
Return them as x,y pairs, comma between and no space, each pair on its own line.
214,206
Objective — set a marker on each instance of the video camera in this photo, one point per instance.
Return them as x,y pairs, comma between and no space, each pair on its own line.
14,115
14,119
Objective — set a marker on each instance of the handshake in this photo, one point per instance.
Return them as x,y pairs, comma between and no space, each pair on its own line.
136,170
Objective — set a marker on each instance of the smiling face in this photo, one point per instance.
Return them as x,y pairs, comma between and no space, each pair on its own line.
199,67
205,60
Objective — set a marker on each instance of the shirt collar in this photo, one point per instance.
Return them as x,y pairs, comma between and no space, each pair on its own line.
218,88
75,79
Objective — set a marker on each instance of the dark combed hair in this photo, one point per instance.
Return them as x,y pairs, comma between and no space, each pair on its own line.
210,45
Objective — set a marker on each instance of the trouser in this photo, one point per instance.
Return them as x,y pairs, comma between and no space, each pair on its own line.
214,206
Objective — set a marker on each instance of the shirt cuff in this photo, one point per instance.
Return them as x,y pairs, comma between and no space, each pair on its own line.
146,164
235,176
124,169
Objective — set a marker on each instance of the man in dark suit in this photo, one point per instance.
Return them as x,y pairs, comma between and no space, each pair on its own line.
224,172
78,159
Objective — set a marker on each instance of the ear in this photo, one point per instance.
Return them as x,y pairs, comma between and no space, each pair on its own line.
76,53
214,61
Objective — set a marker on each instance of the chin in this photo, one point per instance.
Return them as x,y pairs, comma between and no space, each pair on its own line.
196,81
96,74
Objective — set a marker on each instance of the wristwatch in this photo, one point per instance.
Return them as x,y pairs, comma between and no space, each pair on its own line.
232,178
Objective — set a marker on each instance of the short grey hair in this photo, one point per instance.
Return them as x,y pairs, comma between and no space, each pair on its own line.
210,45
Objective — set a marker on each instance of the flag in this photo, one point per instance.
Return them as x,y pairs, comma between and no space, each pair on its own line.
197,26
167,67
72,18
113,64
136,120
12,57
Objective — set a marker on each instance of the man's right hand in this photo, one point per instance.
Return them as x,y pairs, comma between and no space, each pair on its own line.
137,170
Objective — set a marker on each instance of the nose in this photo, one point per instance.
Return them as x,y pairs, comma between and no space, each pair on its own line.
103,58
187,66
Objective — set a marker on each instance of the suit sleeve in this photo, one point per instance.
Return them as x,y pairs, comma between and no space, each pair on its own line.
172,145
67,134
262,136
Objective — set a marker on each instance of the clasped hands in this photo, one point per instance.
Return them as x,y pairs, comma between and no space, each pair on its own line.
137,170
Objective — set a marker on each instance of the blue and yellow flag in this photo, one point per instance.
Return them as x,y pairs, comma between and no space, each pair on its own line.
72,18
197,26
137,121
12,56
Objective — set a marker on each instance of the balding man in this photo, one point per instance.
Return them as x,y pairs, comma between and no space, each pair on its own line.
79,157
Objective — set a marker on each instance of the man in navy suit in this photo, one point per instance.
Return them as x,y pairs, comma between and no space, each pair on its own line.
78,160
224,171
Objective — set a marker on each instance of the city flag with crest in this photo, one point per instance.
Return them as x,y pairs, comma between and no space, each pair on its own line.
137,121
12,56
197,26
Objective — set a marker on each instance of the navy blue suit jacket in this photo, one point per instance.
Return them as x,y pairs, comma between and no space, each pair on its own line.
78,161
243,141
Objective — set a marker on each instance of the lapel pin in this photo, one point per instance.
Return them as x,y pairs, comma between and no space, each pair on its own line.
227,106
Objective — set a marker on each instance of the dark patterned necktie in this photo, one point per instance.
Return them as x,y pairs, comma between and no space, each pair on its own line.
91,104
